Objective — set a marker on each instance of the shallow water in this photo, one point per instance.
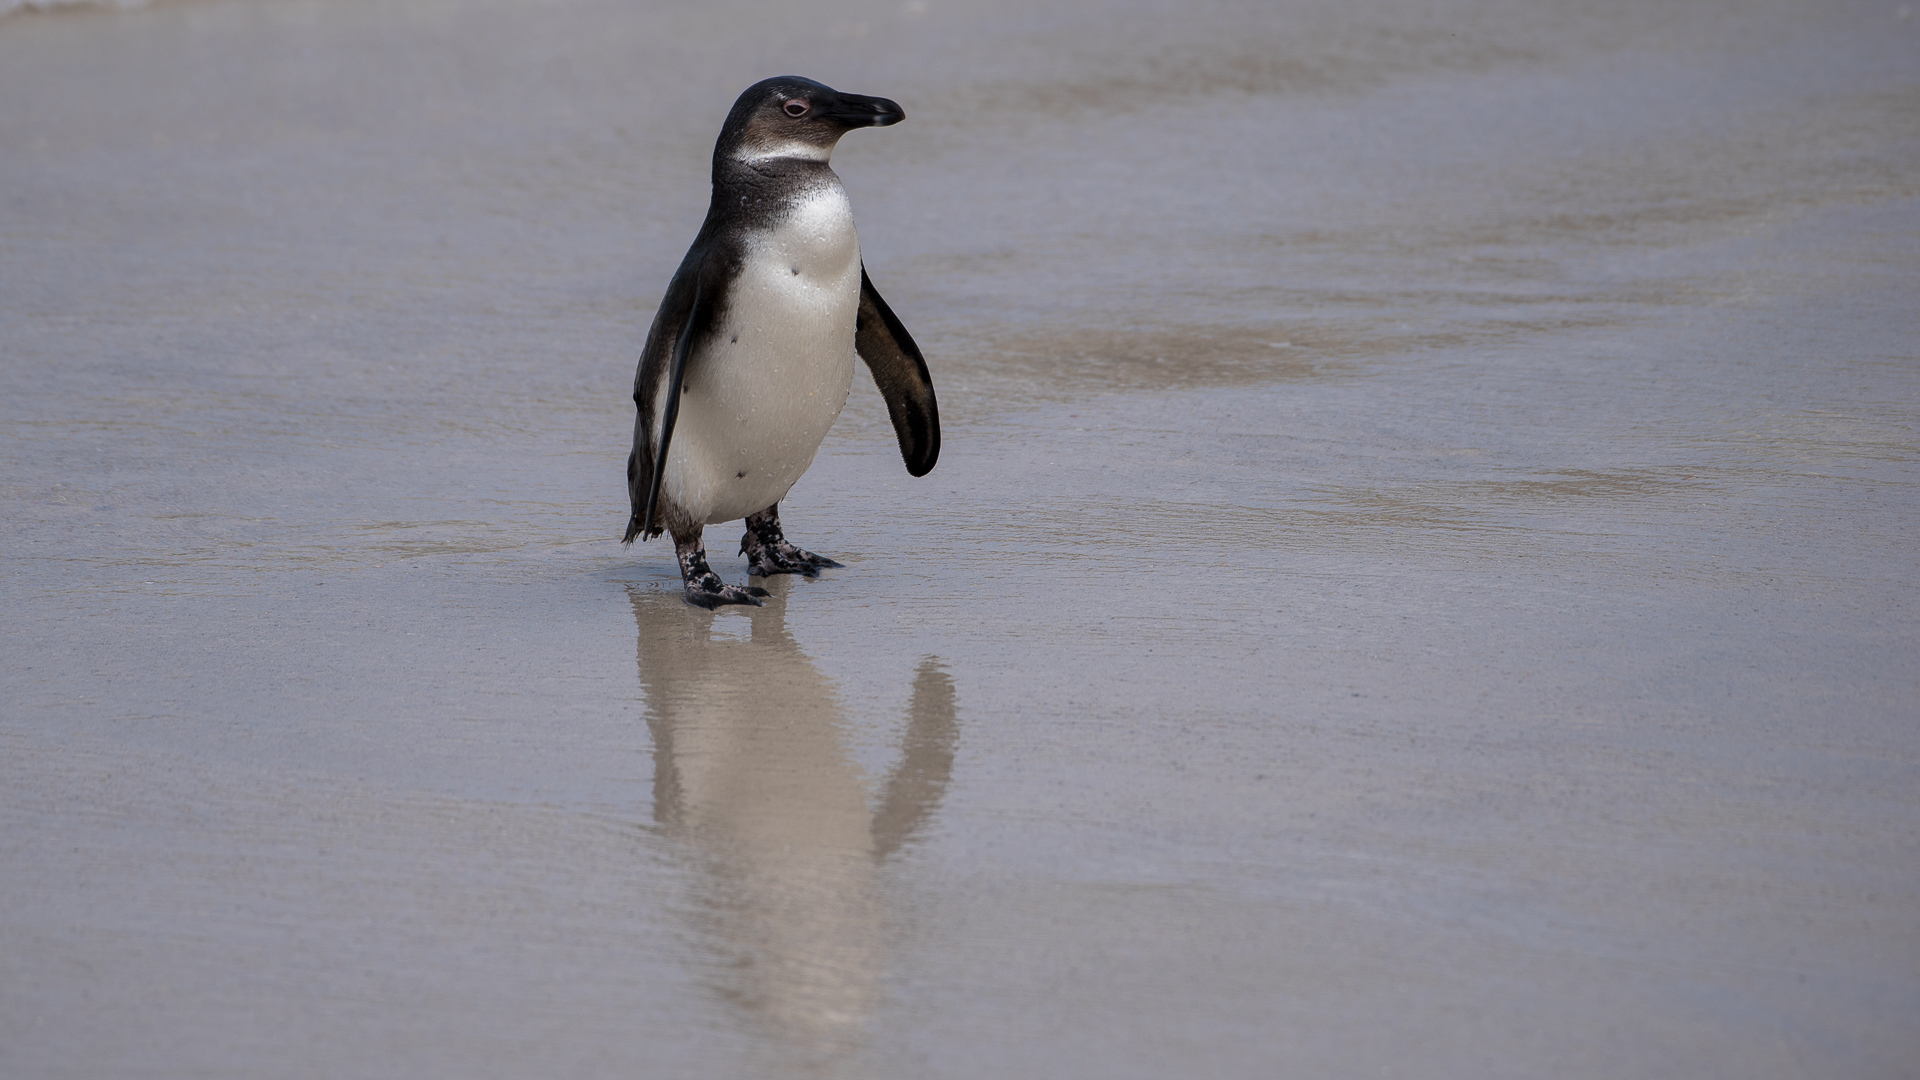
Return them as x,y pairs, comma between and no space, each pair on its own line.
1420,580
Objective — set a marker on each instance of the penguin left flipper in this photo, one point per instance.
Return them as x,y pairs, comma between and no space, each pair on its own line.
901,374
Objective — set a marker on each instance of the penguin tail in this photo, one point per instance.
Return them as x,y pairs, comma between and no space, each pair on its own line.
636,531
634,525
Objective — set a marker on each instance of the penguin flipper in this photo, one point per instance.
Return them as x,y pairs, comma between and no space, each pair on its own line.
670,408
686,313
901,374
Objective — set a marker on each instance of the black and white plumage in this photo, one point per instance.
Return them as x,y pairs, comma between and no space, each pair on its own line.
750,358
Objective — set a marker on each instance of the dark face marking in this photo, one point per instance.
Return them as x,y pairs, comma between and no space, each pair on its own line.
774,116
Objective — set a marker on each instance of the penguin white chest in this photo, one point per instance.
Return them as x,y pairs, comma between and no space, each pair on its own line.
776,372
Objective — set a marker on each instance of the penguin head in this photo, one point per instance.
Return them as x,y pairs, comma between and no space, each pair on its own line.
792,117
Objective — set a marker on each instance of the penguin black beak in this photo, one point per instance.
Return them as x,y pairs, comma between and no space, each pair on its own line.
857,110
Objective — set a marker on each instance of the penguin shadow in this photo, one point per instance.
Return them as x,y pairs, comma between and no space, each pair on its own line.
753,779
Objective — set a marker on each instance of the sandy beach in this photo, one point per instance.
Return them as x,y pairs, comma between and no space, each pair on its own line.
1420,581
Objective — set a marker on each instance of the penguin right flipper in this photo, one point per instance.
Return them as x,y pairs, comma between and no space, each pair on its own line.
901,374
687,313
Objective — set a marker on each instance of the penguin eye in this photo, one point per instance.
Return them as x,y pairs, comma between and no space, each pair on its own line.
795,107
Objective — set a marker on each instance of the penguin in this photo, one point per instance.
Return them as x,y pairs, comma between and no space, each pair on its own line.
751,355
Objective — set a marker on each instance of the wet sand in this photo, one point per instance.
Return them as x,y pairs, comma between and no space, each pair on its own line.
1420,580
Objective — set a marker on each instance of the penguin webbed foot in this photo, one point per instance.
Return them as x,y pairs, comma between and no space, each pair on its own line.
704,587
784,558
768,552
708,591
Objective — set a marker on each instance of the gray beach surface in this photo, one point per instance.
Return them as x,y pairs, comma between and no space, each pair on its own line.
1420,582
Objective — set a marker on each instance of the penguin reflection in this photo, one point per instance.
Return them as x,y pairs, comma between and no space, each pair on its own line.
751,773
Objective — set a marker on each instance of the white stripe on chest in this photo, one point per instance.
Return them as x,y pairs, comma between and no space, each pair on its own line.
765,388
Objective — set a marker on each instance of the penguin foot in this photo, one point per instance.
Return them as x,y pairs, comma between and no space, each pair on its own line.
768,552
784,558
710,592
704,587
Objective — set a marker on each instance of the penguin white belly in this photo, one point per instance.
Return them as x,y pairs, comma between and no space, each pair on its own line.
772,379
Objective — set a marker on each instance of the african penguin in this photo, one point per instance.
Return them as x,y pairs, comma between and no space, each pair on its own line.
750,357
